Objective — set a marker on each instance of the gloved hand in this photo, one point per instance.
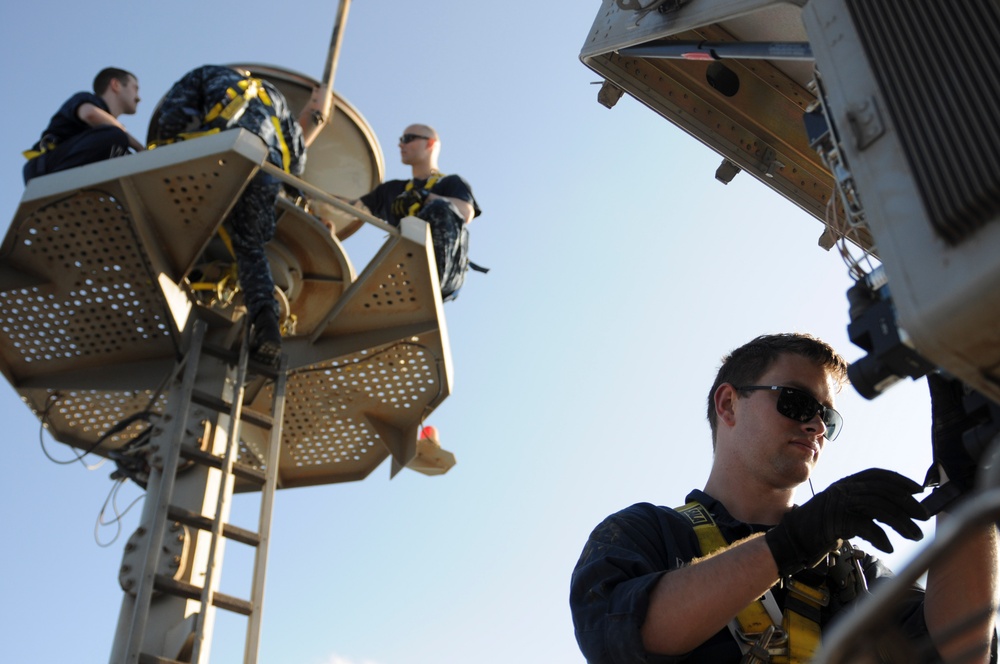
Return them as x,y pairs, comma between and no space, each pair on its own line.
406,200
847,508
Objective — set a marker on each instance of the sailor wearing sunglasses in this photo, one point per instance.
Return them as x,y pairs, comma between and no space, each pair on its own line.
741,574
444,201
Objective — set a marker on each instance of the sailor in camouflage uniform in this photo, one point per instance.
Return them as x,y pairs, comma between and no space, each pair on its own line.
214,98
443,201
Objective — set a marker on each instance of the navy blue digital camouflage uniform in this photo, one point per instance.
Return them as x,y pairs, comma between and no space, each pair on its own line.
449,234
629,551
68,141
252,220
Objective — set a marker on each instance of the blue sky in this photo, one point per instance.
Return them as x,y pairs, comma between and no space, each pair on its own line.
621,272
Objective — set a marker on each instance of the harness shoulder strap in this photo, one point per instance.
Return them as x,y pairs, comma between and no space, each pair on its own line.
799,636
429,185
753,620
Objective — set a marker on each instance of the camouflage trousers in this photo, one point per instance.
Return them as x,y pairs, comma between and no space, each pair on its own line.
252,221
450,238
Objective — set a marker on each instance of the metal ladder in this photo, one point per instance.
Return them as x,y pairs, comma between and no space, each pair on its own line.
162,514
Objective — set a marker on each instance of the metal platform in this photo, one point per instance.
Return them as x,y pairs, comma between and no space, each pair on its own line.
97,311
748,110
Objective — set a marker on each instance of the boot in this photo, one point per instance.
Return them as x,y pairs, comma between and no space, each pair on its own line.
265,338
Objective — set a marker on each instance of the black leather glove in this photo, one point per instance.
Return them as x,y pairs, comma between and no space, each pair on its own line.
405,201
847,508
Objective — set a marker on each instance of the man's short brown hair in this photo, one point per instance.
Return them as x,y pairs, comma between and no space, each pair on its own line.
746,364
108,74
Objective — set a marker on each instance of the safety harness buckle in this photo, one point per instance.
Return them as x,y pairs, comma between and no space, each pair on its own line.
776,645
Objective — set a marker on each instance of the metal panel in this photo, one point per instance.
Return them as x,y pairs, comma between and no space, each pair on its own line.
946,296
944,108
757,122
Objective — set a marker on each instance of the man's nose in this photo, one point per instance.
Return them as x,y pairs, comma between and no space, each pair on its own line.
816,424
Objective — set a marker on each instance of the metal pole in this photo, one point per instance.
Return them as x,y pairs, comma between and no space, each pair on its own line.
333,56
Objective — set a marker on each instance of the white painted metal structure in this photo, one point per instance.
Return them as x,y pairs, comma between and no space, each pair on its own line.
100,326
910,90
908,167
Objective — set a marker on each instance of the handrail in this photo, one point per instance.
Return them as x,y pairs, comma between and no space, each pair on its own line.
336,201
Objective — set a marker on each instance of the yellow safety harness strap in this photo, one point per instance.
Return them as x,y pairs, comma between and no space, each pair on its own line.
431,181
231,108
286,157
800,621
43,147
236,100
753,619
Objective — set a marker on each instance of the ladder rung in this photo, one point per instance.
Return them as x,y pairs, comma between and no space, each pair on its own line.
191,591
222,406
240,470
202,522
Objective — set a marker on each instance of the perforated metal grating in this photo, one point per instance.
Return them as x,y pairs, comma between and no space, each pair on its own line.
84,416
188,193
395,288
102,303
87,335
326,431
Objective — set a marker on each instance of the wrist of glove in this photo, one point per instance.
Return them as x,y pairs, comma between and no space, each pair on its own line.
403,204
847,508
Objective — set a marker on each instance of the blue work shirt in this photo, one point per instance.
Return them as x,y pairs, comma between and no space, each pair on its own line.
627,554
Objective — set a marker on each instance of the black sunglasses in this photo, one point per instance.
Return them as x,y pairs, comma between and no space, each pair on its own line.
409,138
801,406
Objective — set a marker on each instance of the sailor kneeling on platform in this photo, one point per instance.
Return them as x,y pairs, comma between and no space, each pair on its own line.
211,99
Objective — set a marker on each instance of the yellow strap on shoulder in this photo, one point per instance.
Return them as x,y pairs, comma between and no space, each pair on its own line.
803,632
431,181
753,619
236,100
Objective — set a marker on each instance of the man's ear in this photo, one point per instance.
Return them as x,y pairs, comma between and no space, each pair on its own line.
725,404
430,142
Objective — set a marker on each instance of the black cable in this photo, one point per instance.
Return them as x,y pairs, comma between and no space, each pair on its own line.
145,413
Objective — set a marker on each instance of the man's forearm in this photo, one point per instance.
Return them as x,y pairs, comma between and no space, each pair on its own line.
464,207
690,604
961,586
96,117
